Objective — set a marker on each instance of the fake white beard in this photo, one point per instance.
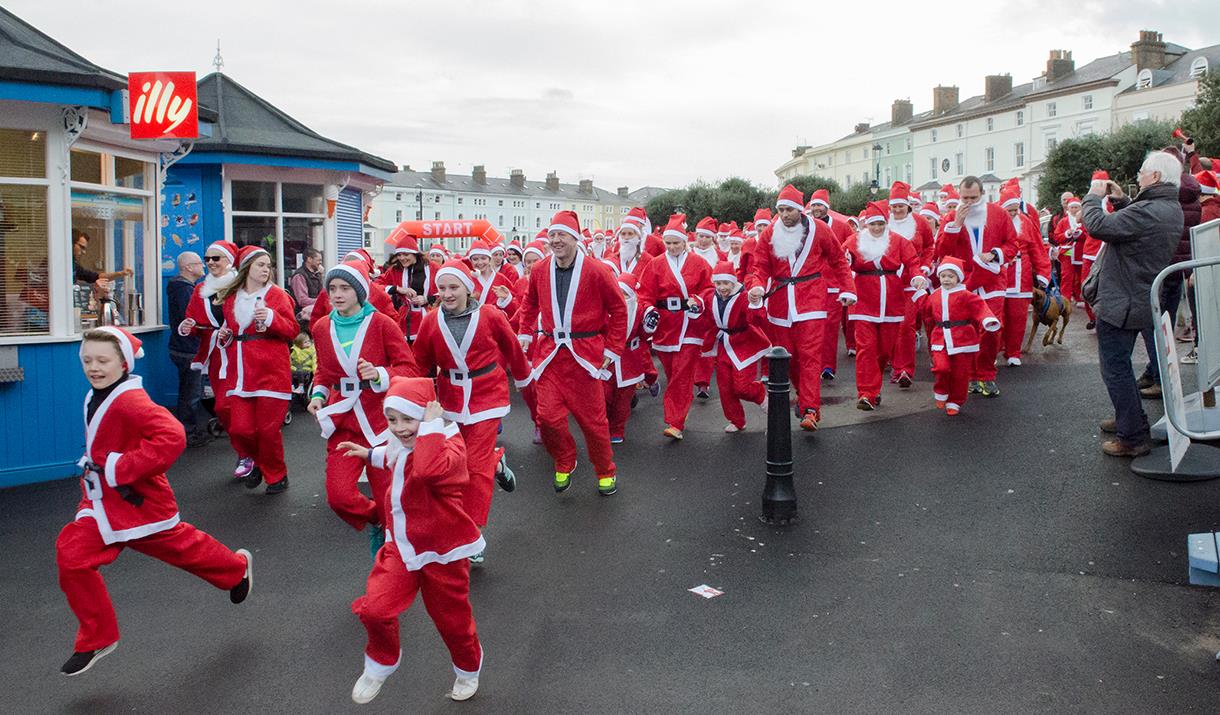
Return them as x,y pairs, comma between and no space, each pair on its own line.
872,248
723,244
628,250
975,217
598,248
1072,222
903,227
1016,224
785,242
213,285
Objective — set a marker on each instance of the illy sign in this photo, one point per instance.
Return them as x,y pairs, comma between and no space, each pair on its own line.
162,105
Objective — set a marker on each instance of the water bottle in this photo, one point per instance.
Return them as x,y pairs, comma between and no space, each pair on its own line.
259,325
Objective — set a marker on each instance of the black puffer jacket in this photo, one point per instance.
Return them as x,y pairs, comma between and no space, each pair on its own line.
1189,192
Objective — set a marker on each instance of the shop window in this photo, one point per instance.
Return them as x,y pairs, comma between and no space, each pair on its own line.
254,196
283,218
302,199
24,276
86,166
131,173
300,234
23,154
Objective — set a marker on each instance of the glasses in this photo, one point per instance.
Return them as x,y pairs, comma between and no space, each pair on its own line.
211,259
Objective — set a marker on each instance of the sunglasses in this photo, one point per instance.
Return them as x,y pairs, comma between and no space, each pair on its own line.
211,259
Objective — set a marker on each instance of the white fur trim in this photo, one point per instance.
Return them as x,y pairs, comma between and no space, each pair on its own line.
786,202
723,277
566,229
432,426
675,233
218,248
961,275
406,407
112,463
383,380
353,274
252,255
462,277
373,669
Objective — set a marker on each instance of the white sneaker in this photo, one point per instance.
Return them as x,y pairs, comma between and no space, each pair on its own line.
366,689
731,428
1190,358
1014,362
464,688
765,404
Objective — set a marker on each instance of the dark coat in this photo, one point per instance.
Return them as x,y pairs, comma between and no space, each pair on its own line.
1192,214
1140,238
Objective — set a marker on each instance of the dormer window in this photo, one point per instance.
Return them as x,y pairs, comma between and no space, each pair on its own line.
1144,79
1198,67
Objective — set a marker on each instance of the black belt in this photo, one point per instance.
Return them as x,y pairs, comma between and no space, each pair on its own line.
731,331
878,272
360,384
675,305
561,334
954,323
253,336
456,376
791,280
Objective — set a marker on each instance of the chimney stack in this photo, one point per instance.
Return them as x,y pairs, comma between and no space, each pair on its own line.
861,127
480,175
552,181
1059,65
623,192
997,86
900,112
438,172
517,178
1149,51
944,99
406,167
586,186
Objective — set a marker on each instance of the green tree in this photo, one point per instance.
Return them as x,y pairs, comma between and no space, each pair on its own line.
852,201
734,199
1202,122
809,183
1070,165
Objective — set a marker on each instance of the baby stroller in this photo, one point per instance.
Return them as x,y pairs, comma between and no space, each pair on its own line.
302,380
209,404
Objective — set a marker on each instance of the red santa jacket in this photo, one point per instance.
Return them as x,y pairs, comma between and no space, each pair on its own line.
799,284
483,291
955,319
594,323
747,257
880,282
653,245
665,290
207,324
427,522
409,315
842,231
1030,261
377,297
1069,235
131,441
512,271
738,330
260,359
629,367
920,237
352,403
985,277
472,384
635,266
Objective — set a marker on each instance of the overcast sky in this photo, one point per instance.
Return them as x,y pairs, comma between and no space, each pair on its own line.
623,92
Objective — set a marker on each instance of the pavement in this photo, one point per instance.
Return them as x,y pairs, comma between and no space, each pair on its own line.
994,562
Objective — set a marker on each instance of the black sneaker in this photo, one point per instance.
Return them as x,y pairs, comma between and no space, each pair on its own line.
1145,382
702,393
238,593
82,661
905,381
277,488
505,476
254,478
198,439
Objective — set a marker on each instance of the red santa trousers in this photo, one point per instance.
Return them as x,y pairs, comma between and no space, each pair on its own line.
80,552
563,387
679,381
1069,278
650,372
342,483
830,342
704,368
874,349
618,406
989,344
530,396
1016,319
482,456
255,424
951,376
221,402
904,346
803,340
736,385
1084,274
391,590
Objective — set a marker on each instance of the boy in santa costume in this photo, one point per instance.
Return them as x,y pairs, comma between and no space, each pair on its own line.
1030,264
627,371
428,540
705,247
582,326
130,442
836,316
736,345
1068,239
674,291
378,296
359,351
885,264
906,223
956,317
792,265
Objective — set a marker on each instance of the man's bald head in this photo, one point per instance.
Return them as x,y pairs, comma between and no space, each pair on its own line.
190,265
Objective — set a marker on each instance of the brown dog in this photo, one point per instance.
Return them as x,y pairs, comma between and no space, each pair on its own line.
1049,311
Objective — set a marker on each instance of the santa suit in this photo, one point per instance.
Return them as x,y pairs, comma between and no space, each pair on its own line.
666,285
987,229
799,301
131,441
654,245
209,319
377,297
918,232
1092,249
404,282
262,386
472,387
1030,263
1069,236
836,317
353,411
747,255
636,267
736,345
512,271
429,540
884,269
705,366
576,333
528,393
627,370
955,318
483,288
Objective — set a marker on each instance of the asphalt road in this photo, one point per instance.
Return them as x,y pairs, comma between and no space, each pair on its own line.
996,562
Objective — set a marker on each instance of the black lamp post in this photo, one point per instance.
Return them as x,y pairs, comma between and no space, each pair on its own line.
779,494
876,167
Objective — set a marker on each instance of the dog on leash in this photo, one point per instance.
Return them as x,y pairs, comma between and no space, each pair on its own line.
1052,310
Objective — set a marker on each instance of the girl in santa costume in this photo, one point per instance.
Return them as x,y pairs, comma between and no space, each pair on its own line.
130,442
884,263
470,345
359,351
512,268
674,290
737,344
627,371
429,538
407,279
490,286
1068,239
259,328
956,318
206,317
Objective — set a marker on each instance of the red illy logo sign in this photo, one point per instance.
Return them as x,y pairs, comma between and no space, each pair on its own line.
163,105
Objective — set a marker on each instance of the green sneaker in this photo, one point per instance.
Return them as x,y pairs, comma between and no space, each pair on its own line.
607,485
989,389
975,387
563,480
376,539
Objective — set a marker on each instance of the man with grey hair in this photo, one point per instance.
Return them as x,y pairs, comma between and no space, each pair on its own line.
1139,238
182,349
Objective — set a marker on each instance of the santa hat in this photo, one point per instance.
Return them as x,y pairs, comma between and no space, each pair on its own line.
707,227
1073,201
638,217
479,248
1010,196
900,193
457,268
762,219
629,282
676,226
1101,175
537,248
949,263
360,255
915,200
129,345
735,236
406,243
354,274
249,253
439,250
541,235
788,196
228,249
497,248
748,229
515,246
566,222
409,395
949,194
724,271
1015,184
930,210
876,212
820,197
1207,182
854,222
